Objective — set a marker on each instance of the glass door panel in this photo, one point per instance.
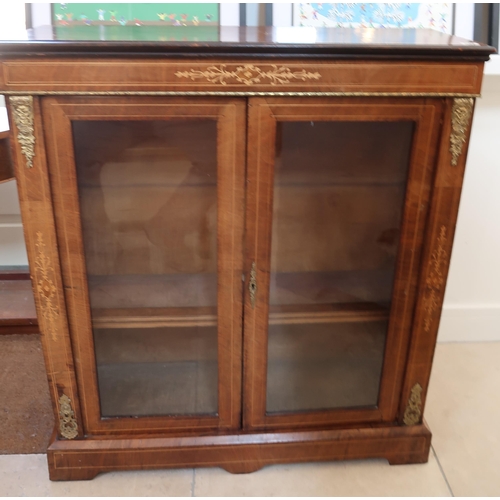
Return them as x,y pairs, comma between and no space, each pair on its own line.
338,198
148,201
148,192
336,210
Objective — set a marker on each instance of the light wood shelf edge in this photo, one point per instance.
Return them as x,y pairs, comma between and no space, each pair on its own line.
206,320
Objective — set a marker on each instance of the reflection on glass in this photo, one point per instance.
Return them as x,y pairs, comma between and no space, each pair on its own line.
338,200
148,200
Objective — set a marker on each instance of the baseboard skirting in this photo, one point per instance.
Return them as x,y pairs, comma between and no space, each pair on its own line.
462,323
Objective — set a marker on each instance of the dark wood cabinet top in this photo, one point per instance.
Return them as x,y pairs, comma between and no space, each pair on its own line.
197,41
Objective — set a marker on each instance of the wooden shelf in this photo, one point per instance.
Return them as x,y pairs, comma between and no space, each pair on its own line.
327,313
205,316
152,301
154,318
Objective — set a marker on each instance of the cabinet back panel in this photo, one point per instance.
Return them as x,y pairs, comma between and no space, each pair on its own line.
322,366
157,371
338,195
338,199
148,198
148,195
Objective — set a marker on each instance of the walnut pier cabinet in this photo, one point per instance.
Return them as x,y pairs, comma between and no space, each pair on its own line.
239,245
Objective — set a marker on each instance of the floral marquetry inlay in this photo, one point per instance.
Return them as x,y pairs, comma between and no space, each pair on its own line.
249,74
46,287
436,279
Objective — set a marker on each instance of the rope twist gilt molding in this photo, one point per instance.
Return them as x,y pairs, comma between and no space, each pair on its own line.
435,279
461,114
46,287
67,423
22,112
231,93
249,74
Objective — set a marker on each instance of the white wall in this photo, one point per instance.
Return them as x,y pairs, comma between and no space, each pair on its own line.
12,246
12,20
472,301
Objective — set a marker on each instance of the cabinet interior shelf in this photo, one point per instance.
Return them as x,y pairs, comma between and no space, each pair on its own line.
204,316
151,301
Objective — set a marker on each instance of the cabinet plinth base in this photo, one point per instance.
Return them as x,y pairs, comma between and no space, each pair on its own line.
84,459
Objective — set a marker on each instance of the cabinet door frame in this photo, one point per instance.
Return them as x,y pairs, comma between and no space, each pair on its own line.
264,114
230,115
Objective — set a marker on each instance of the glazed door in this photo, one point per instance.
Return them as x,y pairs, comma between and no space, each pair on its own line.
148,197
337,199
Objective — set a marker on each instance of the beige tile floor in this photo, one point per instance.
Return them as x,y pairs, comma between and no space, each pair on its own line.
463,412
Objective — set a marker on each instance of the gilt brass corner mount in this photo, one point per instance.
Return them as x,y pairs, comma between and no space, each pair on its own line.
22,112
461,115
413,412
67,422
